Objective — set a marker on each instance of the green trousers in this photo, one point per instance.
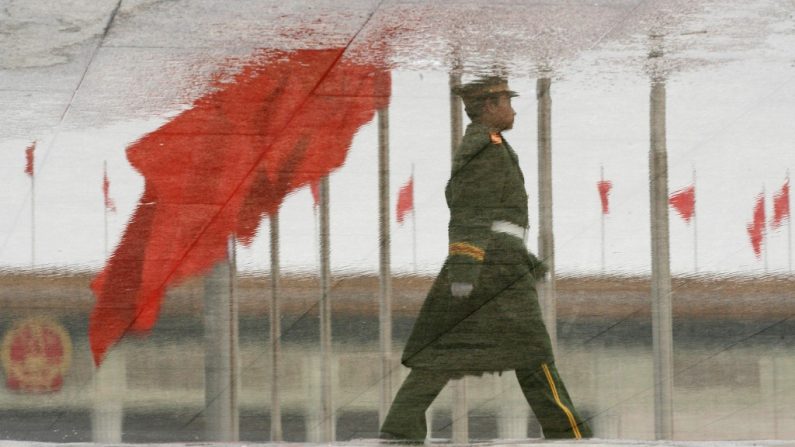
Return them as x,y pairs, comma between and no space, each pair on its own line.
541,386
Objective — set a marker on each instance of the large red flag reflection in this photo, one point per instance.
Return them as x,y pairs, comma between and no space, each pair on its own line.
284,121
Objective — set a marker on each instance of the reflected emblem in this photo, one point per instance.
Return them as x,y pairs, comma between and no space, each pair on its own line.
36,353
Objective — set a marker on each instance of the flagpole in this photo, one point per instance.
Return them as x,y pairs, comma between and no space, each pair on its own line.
602,179
789,228
326,404
316,226
460,410
661,309
105,204
222,350
695,225
385,267
33,219
110,381
764,235
413,221
546,238
110,387
275,331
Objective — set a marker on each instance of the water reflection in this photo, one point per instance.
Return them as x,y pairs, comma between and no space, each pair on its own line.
216,237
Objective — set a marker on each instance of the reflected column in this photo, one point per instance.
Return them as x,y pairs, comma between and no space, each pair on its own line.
221,358
385,269
513,413
110,385
460,413
31,171
326,404
662,320
110,379
769,389
275,331
546,239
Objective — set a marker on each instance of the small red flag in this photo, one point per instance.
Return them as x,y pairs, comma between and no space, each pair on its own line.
781,205
756,229
684,202
110,205
604,187
315,188
405,202
29,154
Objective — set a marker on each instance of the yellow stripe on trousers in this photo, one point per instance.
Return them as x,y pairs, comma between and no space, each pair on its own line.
565,409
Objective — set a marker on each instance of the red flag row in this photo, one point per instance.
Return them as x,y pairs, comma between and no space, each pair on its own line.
405,203
683,201
781,212
30,159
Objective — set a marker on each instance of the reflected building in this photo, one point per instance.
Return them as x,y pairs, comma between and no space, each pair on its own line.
731,363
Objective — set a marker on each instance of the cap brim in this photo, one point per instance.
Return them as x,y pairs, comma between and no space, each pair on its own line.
509,93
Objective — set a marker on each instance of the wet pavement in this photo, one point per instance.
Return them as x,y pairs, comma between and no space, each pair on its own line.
144,142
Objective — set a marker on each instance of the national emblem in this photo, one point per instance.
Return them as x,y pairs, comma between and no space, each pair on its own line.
36,353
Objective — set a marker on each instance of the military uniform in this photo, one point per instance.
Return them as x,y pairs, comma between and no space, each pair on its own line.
498,326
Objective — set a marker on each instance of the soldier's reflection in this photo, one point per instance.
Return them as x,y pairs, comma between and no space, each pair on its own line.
482,313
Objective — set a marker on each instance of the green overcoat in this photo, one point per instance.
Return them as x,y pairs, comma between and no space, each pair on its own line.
499,325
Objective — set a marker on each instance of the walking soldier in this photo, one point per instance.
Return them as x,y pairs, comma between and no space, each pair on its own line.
482,313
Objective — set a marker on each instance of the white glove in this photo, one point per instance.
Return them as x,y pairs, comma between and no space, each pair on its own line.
461,289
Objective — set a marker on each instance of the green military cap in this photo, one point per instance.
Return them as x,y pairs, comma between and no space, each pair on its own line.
484,87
